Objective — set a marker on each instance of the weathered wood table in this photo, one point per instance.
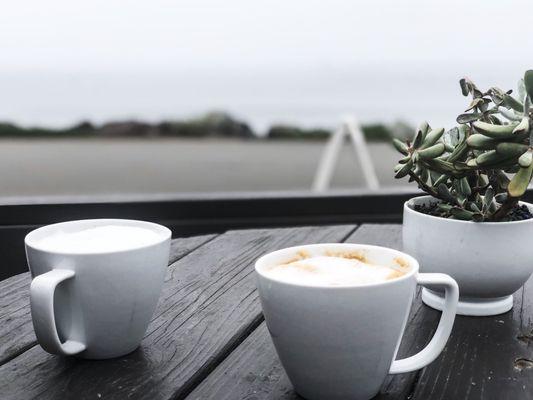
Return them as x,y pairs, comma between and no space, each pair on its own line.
208,339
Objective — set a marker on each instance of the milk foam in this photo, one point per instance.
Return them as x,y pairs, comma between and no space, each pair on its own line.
99,239
331,271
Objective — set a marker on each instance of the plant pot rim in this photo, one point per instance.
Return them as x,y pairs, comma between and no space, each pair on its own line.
408,209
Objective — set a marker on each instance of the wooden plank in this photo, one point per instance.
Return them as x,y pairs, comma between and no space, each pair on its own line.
388,235
208,305
486,358
16,329
183,246
253,369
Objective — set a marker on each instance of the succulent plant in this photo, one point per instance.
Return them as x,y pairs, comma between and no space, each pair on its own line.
481,168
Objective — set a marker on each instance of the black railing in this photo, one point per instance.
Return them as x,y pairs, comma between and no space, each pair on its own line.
196,214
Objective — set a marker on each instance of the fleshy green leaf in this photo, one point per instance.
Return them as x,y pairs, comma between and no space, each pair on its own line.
526,159
511,102
420,134
404,169
461,213
490,158
522,127
501,197
521,88
487,199
528,83
464,187
518,185
432,137
477,102
509,114
400,146
432,152
464,86
445,193
495,131
481,142
511,150
468,117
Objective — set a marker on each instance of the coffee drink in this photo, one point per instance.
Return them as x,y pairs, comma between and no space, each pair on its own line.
99,239
335,269
336,313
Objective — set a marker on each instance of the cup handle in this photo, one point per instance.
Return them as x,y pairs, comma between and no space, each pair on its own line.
429,353
42,310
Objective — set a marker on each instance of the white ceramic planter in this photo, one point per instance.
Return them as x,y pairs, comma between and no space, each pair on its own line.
489,260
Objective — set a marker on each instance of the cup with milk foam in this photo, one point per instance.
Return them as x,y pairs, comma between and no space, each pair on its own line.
337,312
95,284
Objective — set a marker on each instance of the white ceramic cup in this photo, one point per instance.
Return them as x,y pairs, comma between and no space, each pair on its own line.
340,342
96,304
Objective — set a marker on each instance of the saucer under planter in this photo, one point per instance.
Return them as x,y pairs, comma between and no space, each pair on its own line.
489,260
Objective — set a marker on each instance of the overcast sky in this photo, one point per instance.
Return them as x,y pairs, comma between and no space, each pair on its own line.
41,40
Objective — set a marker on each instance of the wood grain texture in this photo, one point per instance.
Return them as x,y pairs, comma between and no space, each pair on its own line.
253,371
182,246
16,329
486,358
387,235
208,306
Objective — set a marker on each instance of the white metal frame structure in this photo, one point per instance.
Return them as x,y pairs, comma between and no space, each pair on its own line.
351,128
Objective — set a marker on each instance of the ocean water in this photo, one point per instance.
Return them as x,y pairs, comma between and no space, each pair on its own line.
311,97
